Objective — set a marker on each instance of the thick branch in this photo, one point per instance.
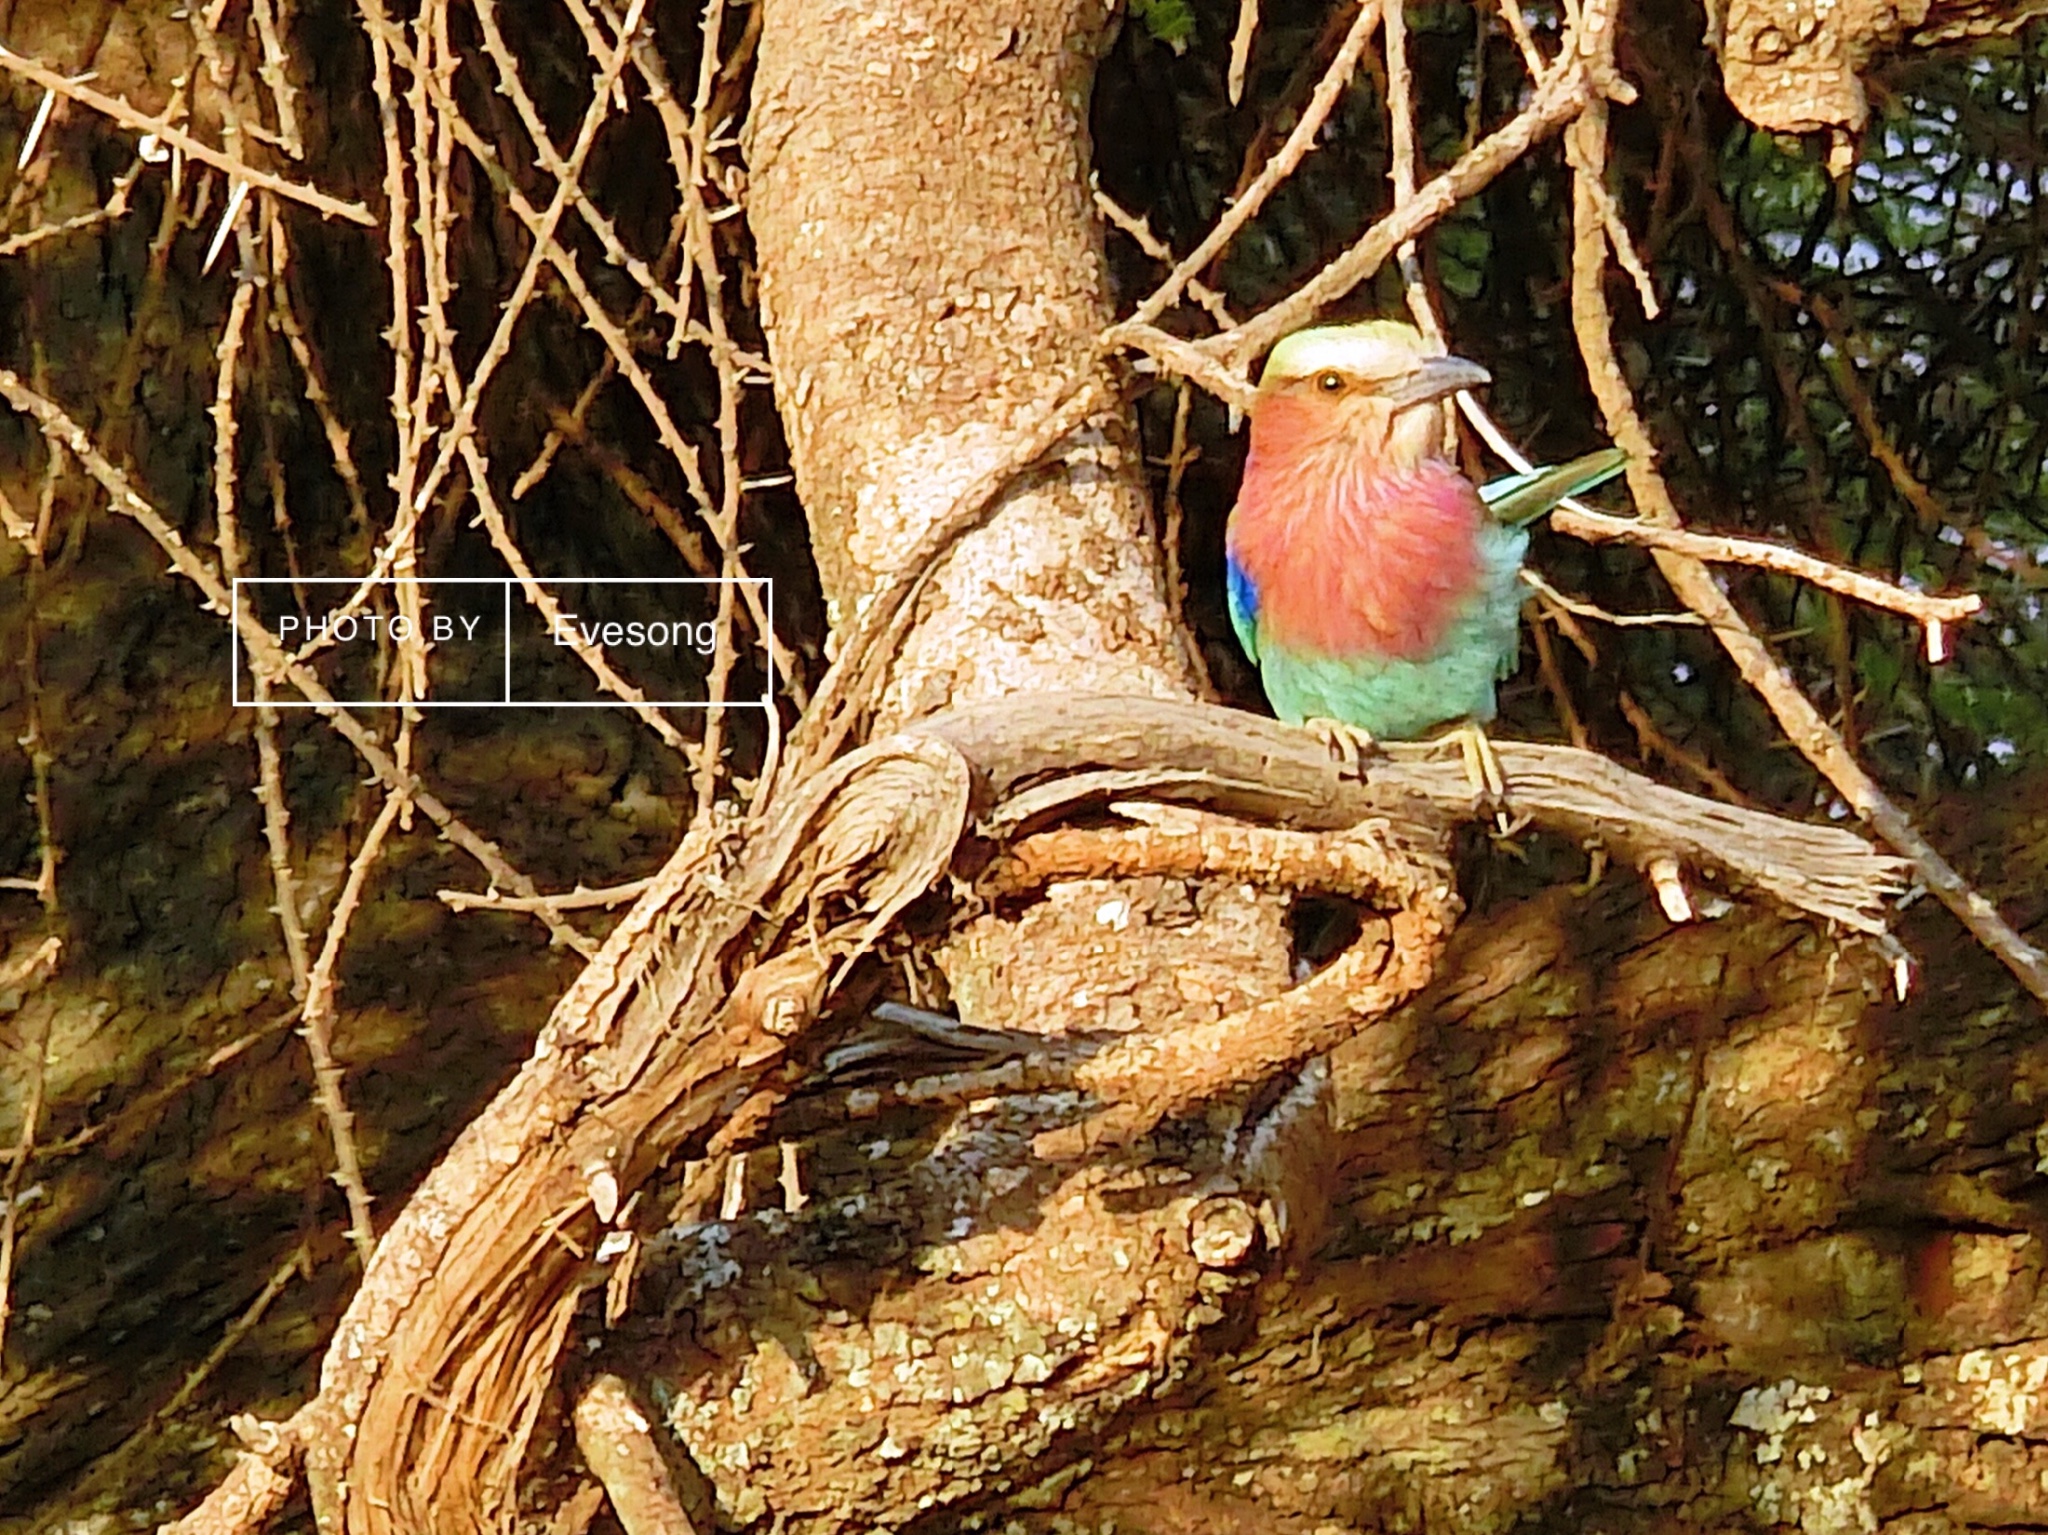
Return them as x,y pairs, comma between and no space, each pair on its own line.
1240,762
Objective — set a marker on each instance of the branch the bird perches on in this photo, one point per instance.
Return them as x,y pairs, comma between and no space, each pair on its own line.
1034,756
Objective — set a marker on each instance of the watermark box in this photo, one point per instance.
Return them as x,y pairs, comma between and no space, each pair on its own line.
489,646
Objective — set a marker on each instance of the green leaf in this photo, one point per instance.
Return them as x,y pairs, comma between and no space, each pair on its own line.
1463,248
1171,22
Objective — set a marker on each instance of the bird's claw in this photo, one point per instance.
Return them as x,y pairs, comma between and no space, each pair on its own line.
1347,745
1482,764
1482,768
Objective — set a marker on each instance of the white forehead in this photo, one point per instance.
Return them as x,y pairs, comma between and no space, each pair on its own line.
1370,349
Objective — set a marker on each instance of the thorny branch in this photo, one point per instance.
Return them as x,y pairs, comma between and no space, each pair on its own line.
166,130
264,652
314,985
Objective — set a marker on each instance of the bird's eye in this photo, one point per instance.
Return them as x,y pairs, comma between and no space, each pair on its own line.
1330,383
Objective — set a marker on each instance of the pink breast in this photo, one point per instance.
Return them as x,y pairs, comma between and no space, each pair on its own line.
1349,558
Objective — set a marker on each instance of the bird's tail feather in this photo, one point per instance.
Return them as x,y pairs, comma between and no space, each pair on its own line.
1520,498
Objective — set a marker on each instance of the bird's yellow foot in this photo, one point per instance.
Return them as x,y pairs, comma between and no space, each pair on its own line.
1347,744
1482,766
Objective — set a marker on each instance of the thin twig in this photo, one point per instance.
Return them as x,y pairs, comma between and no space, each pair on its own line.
1581,521
409,423
227,534
1241,47
439,380
277,838
1714,548
1585,609
1556,101
317,1030
725,524
1653,743
298,1261
147,1106
43,959
1525,40
167,132
283,315
115,207
1178,456
1841,370
1223,380
607,370
514,87
275,71
1217,363
35,539
1275,170
114,1465
623,356
1141,234
690,147
1560,692
264,652
514,305
543,601
1401,120
570,900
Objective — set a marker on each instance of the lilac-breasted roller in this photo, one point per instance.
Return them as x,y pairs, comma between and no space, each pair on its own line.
1372,583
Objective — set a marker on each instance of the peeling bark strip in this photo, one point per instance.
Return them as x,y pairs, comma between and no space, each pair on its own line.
437,1373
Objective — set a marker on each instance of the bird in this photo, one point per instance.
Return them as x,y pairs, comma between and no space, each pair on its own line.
1375,587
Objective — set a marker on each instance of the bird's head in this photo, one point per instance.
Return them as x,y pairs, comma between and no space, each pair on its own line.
1375,387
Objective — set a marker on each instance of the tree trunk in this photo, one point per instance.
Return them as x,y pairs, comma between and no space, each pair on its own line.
1639,1225
932,282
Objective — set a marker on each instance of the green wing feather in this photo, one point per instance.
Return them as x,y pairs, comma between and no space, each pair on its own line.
1520,498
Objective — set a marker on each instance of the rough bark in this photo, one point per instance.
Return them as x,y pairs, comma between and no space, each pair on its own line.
1618,1220
931,283
931,272
1624,1223
1796,66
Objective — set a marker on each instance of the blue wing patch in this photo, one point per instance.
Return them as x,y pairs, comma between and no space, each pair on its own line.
1244,606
